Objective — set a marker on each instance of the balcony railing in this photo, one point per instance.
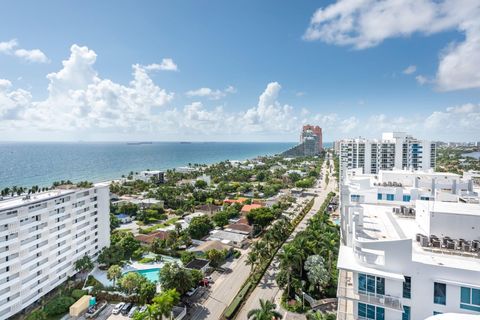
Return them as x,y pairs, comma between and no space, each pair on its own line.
387,301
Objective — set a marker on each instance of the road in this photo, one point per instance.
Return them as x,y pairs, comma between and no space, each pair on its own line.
267,289
222,291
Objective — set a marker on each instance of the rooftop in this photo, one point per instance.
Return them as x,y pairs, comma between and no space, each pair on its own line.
22,200
379,223
197,264
249,207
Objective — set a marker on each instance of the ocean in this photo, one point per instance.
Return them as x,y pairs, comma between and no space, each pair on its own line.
27,164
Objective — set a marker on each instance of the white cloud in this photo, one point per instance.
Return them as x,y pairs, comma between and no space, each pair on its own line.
366,23
80,98
300,93
7,46
209,93
34,55
459,66
167,64
410,69
421,79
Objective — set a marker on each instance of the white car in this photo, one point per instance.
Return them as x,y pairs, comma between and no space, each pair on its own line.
132,312
118,308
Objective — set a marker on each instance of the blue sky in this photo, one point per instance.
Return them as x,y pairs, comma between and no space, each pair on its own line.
297,55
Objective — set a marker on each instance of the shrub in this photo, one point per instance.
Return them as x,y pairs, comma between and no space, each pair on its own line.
77,293
58,306
92,282
37,315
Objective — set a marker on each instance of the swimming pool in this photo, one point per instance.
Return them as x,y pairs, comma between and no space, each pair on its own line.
151,274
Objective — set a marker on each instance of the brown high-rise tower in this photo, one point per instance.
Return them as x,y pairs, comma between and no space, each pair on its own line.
307,130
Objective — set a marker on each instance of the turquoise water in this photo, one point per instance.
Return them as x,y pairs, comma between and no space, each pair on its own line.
27,164
151,274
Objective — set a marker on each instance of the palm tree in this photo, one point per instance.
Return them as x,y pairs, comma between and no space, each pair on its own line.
252,260
290,261
265,312
114,273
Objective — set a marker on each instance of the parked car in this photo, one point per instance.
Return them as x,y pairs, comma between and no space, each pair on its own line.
126,308
118,308
191,292
142,309
132,311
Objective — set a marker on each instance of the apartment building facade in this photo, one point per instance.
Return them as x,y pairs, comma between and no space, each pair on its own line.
395,150
43,235
410,245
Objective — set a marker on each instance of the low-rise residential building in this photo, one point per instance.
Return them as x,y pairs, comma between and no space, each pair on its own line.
124,218
410,245
43,235
148,239
198,264
249,207
154,176
233,239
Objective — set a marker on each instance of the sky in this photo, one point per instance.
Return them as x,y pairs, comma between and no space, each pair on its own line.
238,70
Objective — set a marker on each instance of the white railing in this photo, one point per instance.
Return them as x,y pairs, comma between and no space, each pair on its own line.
387,301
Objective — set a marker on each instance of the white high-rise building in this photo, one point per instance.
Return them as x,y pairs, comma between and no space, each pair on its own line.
395,150
410,245
42,235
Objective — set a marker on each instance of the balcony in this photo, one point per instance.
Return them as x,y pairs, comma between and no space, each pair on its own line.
346,290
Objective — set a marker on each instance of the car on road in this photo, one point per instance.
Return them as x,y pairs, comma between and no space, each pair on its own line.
118,308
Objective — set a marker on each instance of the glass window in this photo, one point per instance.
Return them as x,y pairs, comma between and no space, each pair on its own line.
370,312
362,309
380,313
380,285
370,284
379,196
362,282
406,198
465,295
406,313
355,197
390,197
436,312
439,293
407,288
470,299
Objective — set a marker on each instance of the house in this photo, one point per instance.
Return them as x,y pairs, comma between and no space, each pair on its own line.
210,245
155,176
148,239
188,219
198,264
208,208
238,200
124,218
233,239
241,228
249,207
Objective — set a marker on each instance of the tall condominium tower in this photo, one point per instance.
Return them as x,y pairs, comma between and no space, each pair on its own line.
42,235
315,132
410,246
395,150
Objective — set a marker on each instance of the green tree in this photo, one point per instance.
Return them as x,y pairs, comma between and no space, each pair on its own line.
114,273
114,222
130,282
200,184
111,255
216,257
172,276
317,273
186,257
165,302
58,306
221,218
126,241
199,227
84,264
146,291
265,312
37,315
